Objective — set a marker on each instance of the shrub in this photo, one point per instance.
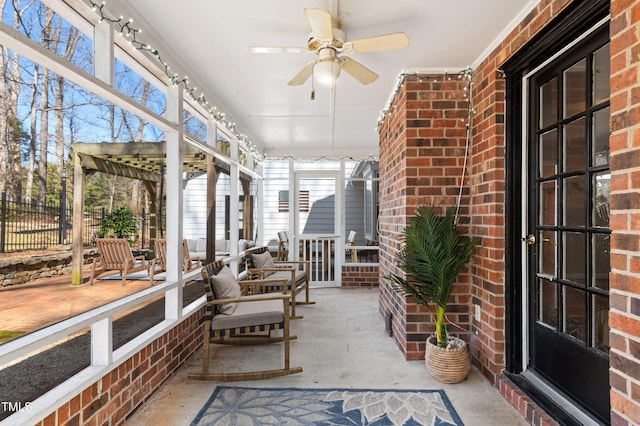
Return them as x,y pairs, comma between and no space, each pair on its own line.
120,223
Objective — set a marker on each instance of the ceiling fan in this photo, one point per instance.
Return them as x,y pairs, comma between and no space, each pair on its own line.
328,41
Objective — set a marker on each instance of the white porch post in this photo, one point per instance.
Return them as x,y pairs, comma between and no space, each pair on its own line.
260,207
102,342
293,217
340,222
103,51
234,199
174,175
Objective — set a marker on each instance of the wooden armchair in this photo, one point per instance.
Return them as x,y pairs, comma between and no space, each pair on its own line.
159,263
189,262
260,265
115,255
351,241
233,315
283,246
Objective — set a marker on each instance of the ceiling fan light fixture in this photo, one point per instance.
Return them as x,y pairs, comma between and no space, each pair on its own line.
326,72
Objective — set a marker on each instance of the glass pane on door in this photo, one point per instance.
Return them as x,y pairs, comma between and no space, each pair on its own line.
575,202
575,98
549,153
548,195
575,308
601,71
549,103
574,258
574,152
547,253
601,323
601,261
600,147
601,188
548,303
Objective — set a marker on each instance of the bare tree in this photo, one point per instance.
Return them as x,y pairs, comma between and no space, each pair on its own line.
14,139
31,162
136,187
40,93
72,41
44,135
4,146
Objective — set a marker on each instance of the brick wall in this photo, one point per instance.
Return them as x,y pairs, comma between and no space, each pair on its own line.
422,148
112,399
488,173
391,209
487,179
360,276
624,314
529,410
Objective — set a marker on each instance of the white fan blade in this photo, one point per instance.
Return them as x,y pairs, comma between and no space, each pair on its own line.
361,73
273,49
302,75
383,42
320,21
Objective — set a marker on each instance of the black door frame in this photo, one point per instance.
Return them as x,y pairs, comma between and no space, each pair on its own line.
575,20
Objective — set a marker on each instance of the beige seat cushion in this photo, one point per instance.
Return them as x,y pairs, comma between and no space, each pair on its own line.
300,277
225,286
249,314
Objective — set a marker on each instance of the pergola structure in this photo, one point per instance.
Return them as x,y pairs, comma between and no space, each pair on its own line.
144,161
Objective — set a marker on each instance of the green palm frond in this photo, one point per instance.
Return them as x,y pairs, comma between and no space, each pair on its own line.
432,256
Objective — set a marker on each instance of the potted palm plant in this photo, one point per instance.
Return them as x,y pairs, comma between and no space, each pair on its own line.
431,258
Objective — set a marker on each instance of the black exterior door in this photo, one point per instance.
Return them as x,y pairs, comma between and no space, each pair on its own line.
566,218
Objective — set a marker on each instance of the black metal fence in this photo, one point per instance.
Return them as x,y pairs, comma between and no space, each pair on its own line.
39,226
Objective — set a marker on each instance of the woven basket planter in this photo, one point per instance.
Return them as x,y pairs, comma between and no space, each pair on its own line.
448,365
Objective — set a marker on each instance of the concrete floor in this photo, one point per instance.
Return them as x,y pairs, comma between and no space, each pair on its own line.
341,344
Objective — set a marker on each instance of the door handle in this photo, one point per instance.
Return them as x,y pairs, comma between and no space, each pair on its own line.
529,239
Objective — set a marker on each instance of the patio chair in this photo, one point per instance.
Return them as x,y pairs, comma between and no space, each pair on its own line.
189,262
115,255
234,315
283,246
260,265
159,262
351,241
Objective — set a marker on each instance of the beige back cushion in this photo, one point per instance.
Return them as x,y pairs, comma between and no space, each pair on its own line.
225,286
263,260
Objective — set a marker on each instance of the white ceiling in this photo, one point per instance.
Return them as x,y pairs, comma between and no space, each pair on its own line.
207,41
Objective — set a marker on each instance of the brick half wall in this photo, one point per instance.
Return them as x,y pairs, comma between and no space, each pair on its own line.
112,399
360,276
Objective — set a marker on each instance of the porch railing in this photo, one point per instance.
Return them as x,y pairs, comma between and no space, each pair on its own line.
320,251
327,253
103,357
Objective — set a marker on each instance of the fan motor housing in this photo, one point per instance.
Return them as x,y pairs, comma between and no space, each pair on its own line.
316,44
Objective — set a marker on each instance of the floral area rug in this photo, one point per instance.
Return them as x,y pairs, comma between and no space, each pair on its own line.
263,406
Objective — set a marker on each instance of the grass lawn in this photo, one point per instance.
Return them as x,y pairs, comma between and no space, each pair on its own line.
6,335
